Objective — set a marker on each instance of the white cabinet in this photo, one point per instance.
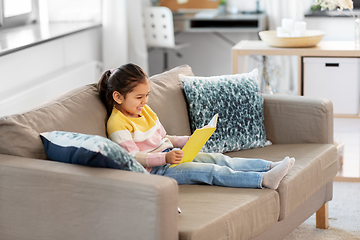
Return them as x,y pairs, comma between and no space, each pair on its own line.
336,79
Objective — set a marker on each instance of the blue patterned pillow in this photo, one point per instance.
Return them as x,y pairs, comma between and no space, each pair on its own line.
88,150
240,107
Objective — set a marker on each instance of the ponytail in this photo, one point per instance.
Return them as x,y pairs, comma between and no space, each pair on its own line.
103,91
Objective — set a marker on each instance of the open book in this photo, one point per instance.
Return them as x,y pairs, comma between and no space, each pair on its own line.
197,141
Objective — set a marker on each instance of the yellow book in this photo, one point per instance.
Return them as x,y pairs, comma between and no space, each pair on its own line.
197,141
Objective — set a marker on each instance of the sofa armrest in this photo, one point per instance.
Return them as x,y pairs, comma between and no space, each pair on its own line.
298,119
42,199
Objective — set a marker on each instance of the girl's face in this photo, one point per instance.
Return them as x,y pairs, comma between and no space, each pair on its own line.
135,100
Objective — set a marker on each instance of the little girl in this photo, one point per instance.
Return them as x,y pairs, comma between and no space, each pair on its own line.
136,128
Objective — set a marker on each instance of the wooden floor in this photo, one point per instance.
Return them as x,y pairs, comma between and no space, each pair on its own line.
347,131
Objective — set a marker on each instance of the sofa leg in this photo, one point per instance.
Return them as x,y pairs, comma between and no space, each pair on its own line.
322,217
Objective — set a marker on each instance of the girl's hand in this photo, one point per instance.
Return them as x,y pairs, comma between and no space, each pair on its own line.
174,156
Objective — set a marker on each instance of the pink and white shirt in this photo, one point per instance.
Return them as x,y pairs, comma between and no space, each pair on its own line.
143,137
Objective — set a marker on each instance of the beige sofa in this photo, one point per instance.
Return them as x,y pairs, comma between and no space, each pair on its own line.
44,200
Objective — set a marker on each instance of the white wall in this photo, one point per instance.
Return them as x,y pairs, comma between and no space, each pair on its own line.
114,34
336,28
207,54
74,10
37,74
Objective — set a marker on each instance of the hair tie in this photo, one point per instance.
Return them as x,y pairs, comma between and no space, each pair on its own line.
112,70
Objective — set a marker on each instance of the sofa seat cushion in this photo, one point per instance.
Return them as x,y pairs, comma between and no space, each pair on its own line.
79,110
211,212
315,165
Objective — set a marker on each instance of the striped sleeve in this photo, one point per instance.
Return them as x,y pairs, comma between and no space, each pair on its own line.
178,141
125,140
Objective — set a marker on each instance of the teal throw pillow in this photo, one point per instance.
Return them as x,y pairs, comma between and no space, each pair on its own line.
88,150
240,107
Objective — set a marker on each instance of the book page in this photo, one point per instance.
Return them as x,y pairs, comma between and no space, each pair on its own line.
213,121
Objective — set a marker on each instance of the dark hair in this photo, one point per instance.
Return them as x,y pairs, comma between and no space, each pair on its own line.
123,80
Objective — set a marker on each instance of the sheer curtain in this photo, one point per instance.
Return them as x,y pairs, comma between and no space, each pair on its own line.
137,49
284,69
123,33
114,33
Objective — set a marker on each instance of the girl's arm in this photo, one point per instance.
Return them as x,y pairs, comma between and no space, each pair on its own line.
178,141
125,140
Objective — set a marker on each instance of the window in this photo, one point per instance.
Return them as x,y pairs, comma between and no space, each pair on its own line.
15,13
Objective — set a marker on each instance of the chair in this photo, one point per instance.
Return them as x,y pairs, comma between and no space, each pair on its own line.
159,31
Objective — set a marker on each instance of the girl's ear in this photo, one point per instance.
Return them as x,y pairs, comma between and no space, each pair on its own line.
118,98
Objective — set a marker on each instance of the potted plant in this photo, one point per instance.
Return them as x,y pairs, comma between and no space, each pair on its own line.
222,7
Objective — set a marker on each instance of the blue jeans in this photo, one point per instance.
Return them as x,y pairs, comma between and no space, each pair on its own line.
217,169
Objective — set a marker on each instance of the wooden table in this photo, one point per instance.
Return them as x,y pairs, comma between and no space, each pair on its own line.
323,49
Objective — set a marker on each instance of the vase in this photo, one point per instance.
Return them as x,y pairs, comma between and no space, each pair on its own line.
222,9
357,33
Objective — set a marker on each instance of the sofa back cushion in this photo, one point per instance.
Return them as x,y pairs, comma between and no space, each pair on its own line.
167,100
79,110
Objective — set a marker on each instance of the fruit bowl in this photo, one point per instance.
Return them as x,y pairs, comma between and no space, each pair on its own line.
311,38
